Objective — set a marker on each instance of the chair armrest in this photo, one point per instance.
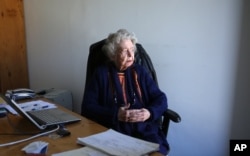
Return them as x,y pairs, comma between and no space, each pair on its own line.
167,116
172,115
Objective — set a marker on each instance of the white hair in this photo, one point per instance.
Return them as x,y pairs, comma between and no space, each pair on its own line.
114,39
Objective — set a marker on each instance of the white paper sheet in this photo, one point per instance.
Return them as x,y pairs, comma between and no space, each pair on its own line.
36,105
84,151
115,143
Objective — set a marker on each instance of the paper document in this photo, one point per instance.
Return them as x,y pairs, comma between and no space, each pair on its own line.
3,104
84,151
36,105
115,143
10,109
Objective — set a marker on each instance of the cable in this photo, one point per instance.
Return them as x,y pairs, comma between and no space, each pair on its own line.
35,136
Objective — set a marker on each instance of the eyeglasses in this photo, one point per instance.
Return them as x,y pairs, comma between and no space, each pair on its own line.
127,51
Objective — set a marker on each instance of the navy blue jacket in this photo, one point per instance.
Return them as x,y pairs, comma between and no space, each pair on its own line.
101,103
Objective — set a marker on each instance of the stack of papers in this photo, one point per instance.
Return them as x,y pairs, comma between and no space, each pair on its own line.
115,143
28,106
111,142
84,151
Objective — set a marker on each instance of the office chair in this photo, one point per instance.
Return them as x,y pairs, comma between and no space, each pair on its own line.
97,57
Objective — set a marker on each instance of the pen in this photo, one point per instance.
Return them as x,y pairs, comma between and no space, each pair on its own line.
29,106
45,106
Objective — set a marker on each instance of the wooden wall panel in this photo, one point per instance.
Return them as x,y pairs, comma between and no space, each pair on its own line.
13,57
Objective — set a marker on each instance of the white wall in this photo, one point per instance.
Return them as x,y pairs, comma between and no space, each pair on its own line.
193,44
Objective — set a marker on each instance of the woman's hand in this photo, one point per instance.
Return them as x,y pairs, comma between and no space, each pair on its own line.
133,115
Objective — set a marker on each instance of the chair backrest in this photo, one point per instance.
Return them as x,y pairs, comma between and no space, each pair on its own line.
97,57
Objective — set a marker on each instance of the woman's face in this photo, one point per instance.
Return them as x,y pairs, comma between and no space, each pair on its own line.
124,56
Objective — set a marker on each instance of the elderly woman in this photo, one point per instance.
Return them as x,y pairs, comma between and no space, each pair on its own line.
122,95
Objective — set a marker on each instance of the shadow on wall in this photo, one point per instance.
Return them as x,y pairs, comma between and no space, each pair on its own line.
240,126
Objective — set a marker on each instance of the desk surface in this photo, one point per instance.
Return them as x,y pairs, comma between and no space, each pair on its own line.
83,128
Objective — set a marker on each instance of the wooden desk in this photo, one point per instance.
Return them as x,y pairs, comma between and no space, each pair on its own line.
83,128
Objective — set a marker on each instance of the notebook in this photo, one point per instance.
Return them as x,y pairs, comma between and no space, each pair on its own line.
45,118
